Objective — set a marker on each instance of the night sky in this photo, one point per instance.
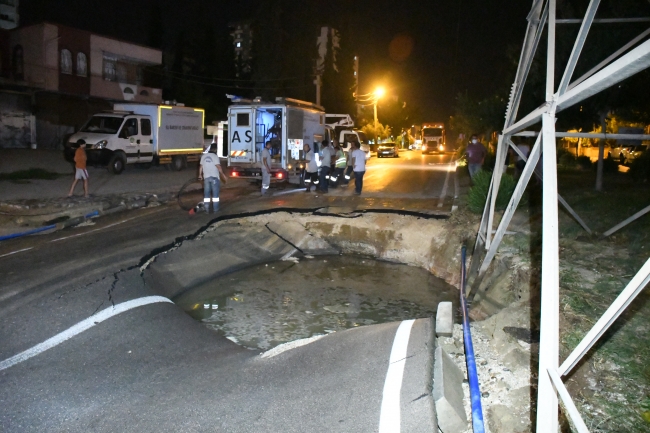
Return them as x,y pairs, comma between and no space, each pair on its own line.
457,45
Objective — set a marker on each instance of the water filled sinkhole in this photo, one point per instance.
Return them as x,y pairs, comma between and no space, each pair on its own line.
266,305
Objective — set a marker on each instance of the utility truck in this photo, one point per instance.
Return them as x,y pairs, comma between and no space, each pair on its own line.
141,134
287,124
342,128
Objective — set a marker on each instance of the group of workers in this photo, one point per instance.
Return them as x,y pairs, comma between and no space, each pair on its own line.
335,168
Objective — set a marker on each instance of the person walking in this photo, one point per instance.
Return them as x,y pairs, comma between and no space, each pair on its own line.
311,168
266,168
325,163
340,163
81,173
359,167
211,172
476,153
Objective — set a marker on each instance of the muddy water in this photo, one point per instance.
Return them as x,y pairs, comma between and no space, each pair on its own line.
266,305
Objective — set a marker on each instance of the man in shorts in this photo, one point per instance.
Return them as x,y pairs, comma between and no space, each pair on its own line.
80,168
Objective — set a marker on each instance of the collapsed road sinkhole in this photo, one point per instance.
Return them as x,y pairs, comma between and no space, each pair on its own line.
268,278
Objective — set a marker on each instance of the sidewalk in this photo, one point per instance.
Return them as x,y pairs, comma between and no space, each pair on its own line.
28,204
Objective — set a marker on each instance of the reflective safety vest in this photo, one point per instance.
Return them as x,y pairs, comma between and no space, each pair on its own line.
341,160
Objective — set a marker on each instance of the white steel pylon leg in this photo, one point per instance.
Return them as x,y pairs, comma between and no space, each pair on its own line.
547,401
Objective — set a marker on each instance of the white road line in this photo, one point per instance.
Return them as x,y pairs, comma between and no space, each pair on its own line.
443,193
80,327
389,418
15,252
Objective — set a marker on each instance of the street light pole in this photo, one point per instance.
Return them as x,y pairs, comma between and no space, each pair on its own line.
376,133
379,92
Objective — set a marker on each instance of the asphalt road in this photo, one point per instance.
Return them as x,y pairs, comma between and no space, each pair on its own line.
184,378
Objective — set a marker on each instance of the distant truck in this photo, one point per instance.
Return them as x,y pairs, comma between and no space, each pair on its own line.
433,138
142,134
287,124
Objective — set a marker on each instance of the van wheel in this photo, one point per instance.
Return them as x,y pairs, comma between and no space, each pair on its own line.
117,163
178,163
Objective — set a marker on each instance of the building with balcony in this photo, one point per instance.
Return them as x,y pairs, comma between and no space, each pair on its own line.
53,77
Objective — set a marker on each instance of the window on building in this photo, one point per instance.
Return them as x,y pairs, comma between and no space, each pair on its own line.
120,69
82,65
243,119
109,69
18,70
144,93
145,126
66,62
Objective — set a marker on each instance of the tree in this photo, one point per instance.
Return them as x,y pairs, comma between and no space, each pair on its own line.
477,117
382,131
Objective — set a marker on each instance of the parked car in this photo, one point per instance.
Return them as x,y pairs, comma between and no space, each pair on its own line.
388,149
627,153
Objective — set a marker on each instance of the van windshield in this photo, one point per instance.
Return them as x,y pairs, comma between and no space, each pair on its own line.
432,132
103,125
362,137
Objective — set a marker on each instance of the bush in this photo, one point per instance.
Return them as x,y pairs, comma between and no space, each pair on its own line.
584,162
477,195
567,160
609,166
640,167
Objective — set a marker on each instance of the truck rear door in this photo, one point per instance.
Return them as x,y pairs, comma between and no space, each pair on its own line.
240,130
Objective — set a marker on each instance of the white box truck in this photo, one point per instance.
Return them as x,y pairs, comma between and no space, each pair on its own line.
288,124
142,134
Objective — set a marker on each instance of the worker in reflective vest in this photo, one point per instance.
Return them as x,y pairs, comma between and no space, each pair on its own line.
339,165
350,167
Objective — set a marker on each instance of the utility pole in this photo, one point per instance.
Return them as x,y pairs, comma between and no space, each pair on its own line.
318,82
376,134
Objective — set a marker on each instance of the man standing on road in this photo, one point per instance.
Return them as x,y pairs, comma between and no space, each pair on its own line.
311,168
325,163
359,167
476,153
266,168
80,168
210,171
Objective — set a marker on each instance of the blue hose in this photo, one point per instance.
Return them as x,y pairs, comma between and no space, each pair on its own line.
30,232
474,390
41,229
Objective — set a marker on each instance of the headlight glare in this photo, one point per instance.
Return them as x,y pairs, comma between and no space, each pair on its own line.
100,144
